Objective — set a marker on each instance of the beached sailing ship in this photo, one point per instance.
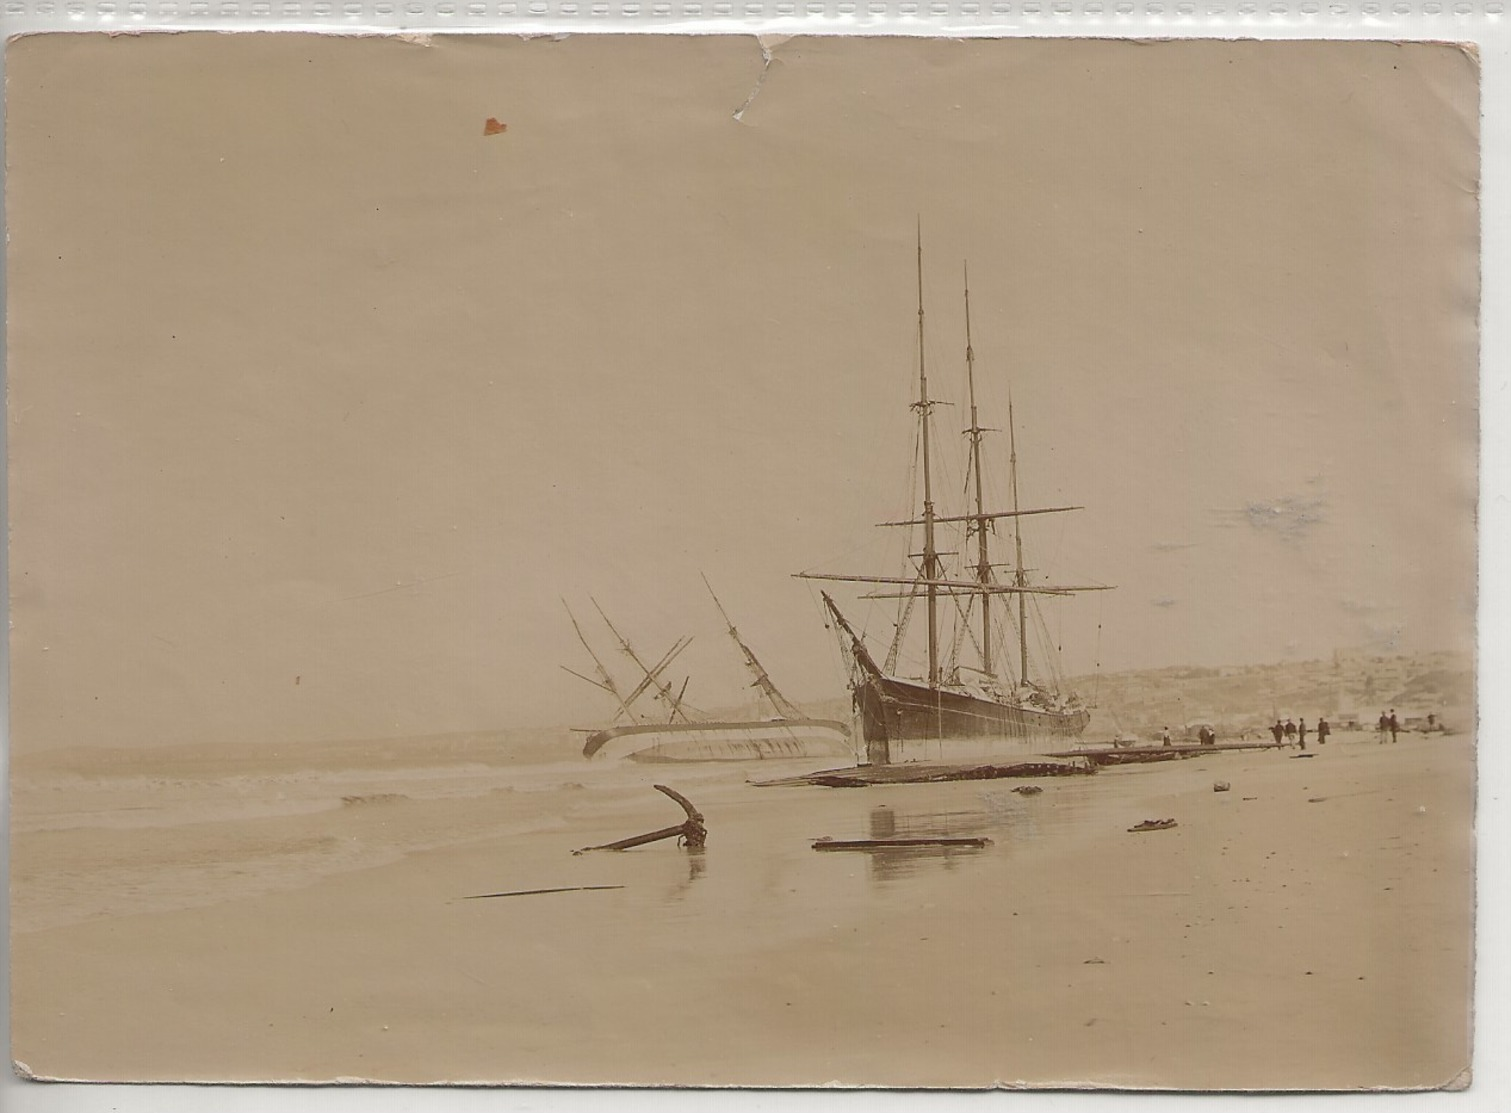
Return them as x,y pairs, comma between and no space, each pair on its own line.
682,735
999,698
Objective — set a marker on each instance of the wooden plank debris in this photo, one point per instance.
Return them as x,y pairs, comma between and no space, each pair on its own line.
861,776
538,892
1153,825
887,844
1130,755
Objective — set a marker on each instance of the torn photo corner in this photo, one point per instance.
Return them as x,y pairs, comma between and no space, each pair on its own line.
336,365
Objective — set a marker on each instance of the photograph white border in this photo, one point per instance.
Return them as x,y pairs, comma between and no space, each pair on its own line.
1483,23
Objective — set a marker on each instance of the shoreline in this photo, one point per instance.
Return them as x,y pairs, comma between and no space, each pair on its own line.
761,962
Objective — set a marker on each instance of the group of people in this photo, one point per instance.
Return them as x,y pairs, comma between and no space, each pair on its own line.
1289,733
1292,733
1206,736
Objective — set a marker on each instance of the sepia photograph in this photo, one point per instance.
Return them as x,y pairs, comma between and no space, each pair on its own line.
718,561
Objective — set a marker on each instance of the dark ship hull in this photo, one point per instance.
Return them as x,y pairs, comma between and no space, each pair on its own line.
893,710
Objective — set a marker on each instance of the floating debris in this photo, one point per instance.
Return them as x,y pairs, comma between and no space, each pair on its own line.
884,844
1029,790
860,776
1221,786
1125,755
1153,825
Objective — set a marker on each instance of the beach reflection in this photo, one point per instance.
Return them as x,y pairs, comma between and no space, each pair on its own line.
697,866
888,864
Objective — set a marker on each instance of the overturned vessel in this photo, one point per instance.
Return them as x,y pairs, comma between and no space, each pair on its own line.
711,740
788,734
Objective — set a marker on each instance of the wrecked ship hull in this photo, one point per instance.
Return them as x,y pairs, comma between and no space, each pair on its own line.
894,710
763,740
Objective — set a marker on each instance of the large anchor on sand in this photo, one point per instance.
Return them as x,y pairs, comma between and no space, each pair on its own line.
692,833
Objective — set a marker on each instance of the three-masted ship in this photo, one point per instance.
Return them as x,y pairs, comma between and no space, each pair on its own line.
685,735
1005,696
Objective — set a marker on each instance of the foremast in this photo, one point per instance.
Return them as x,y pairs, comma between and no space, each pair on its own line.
784,706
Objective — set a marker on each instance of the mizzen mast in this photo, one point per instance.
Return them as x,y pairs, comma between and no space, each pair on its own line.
930,554
983,555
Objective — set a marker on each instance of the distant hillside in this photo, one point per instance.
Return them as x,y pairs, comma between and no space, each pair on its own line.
1351,686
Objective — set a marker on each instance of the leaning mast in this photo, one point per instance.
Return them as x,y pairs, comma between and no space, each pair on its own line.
784,706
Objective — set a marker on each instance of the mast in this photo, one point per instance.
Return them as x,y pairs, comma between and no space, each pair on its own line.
663,691
785,707
1020,575
983,555
605,680
654,675
930,554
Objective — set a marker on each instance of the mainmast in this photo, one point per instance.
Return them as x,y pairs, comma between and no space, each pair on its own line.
663,691
983,555
1020,574
930,554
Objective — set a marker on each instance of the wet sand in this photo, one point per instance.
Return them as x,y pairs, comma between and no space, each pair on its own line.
1310,928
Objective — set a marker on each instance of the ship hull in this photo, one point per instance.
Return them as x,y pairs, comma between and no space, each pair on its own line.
765,740
894,710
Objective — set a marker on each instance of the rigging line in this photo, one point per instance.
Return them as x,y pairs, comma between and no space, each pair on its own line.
961,627
968,628
1048,655
903,619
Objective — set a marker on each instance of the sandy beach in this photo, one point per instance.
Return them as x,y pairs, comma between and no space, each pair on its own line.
302,918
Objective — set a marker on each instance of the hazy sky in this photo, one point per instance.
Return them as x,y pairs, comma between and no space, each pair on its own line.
321,398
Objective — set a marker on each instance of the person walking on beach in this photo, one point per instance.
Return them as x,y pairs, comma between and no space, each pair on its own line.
1290,730
1394,724
1301,733
1323,730
1279,732
1164,738
1384,727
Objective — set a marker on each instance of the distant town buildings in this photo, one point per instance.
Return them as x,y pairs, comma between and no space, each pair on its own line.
1427,690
